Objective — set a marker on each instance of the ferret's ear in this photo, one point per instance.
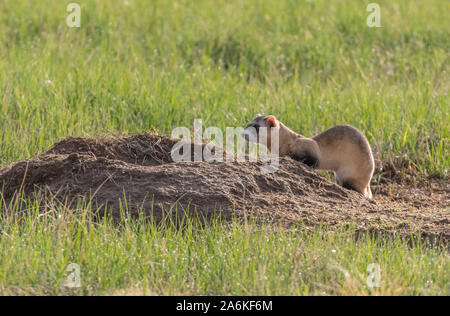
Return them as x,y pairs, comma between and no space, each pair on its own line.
272,121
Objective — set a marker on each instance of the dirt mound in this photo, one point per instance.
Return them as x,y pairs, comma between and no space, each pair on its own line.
143,149
138,171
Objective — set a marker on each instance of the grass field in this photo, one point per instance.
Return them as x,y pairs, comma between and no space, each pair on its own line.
135,258
136,65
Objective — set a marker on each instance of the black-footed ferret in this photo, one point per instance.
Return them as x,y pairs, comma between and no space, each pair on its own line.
342,148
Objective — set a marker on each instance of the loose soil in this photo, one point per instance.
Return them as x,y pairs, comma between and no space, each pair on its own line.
138,171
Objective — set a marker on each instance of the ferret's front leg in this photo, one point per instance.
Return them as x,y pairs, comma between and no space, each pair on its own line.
306,151
306,158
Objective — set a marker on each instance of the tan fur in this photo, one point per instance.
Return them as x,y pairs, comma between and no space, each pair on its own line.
342,149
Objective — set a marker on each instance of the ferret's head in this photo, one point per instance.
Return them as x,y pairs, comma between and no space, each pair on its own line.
252,131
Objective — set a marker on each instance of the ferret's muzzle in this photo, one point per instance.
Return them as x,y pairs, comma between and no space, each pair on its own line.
250,134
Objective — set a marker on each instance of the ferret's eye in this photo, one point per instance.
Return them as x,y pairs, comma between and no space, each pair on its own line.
255,126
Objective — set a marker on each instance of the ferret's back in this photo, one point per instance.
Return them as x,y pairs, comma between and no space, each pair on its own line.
343,133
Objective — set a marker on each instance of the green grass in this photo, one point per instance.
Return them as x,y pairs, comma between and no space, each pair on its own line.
136,65
140,257
159,64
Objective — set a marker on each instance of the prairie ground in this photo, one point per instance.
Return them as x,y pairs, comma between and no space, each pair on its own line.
137,65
